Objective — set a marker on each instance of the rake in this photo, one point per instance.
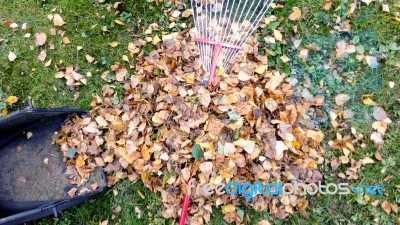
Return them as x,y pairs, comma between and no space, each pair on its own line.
222,27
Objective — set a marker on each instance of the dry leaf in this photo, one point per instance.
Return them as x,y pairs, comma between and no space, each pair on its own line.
40,39
263,222
89,58
385,8
42,55
72,192
12,56
278,35
341,99
379,114
114,44
377,138
119,22
296,14
229,149
187,13
386,206
58,20
11,99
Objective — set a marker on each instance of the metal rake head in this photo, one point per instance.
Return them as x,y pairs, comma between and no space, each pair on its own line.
222,27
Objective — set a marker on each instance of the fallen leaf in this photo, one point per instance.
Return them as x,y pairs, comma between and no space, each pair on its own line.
80,161
341,99
72,192
368,101
89,58
114,44
242,76
367,1
386,206
187,13
175,13
197,152
228,208
372,61
343,49
385,8
58,20
229,149
280,147
47,63
295,15
11,99
40,39
42,55
119,22
105,222
367,160
12,56
263,222
278,35
377,138
65,40
378,156
379,114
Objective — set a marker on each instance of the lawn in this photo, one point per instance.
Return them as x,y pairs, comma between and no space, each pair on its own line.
91,29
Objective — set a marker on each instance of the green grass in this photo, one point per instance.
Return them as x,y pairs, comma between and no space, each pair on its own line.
376,30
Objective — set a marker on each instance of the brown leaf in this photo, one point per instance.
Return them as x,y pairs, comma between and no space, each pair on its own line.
42,55
341,99
72,192
386,206
264,222
89,58
296,14
378,156
379,113
40,39
58,20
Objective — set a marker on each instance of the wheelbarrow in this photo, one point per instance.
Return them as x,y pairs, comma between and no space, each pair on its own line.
33,183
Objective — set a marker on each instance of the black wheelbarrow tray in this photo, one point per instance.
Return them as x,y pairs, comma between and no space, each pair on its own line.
33,183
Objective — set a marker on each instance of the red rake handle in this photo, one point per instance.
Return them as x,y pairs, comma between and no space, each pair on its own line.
217,50
185,206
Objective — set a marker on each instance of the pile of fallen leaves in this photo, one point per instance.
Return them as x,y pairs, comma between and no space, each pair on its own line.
169,127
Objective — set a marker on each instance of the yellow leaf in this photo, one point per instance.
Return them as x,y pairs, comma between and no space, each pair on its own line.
80,161
144,176
11,99
156,39
4,112
228,208
296,14
368,101
220,72
145,153
312,165
114,44
278,35
119,22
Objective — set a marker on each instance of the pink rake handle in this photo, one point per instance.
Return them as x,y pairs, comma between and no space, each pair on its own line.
217,50
185,207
